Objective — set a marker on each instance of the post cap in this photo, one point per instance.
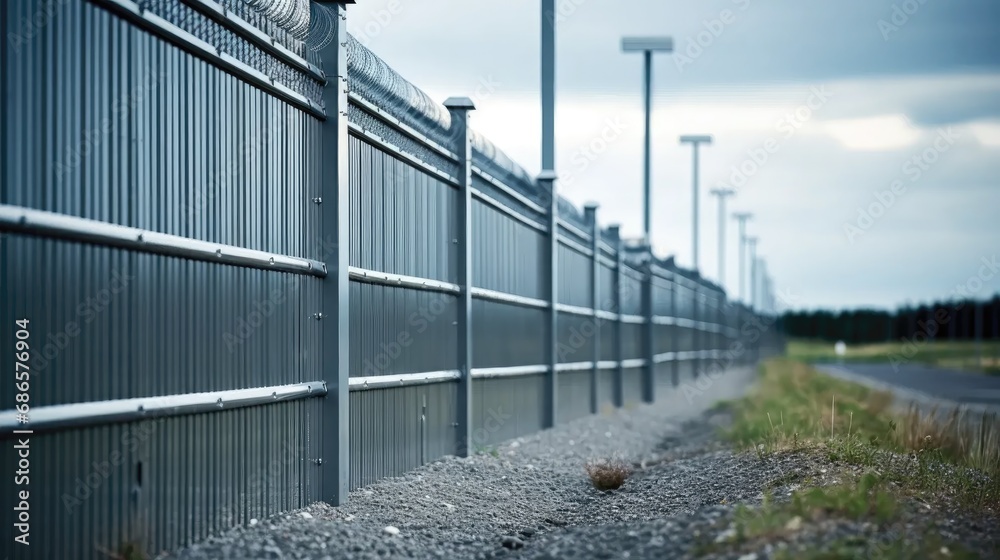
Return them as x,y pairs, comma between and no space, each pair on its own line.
547,175
696,138
459,103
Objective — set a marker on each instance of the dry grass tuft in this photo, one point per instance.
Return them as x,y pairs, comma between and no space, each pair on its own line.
608,474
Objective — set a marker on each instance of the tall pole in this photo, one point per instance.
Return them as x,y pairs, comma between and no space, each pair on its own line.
695,141
742,218
548,85
752,242
647,217
694,209
722,194
647,46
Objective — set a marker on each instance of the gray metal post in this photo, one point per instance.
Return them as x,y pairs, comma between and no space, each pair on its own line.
548,85
675,364
590,211
752,243
649,372
694,209
547,185
615,231
722,194
696,337
459,108
647,217
334,212
742,218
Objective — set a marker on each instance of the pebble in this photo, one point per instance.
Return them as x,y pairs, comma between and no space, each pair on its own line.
390,530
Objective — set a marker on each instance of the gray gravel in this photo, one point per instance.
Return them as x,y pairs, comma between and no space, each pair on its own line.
531,499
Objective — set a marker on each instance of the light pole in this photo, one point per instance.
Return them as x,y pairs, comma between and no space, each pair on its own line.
742,218
752,242
695,141
722,194
647,46
548,85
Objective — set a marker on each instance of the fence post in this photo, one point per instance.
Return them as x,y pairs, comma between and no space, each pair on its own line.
547,185
697,334
675,364
459,108
648,382
590,211
334,319
619,396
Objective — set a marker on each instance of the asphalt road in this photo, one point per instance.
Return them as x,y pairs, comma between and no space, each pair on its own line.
926,382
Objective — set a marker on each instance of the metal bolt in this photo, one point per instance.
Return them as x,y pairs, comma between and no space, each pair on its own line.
318,200
318,316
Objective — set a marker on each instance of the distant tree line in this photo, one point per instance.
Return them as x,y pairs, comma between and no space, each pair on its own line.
947,320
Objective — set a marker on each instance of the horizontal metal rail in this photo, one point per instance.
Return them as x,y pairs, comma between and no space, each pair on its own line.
414,134
79,415
571,227
633,363
574,310
71,228
487,199
633,319
401,281
608,261
394,150
261,40
503,297
607,364
606,315
512,371
572,244
575,366
403,380
155,24
510,191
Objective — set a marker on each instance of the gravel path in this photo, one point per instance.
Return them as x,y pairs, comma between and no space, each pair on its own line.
531,499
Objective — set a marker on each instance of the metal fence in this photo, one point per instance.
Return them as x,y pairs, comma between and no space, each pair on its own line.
253,268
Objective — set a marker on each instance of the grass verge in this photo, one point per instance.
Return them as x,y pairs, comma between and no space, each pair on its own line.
881,457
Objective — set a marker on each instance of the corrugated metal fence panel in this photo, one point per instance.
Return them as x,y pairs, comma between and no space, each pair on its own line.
577,334
506,407
403,220
521,330
632,340
606,390
632,383
631,291
575,277
663,378
574,395
399,330
606,286
397,430
106,122
507,255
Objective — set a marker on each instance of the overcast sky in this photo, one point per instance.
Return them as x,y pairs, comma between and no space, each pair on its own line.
844,94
